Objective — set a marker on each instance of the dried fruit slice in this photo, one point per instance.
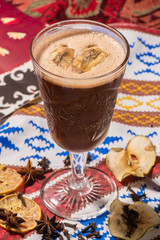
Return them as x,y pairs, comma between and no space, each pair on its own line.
89,58
10,180
142,215
63,56
30,212
138,158
116,161
141,155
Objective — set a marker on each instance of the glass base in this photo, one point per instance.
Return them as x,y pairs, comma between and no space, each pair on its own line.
78,201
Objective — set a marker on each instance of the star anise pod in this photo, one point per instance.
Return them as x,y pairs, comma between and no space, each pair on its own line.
46,226
44,163
31,173
3,215
11,219
55,235
67,161
89,157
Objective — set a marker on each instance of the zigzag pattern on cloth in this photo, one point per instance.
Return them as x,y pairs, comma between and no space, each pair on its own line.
36,110
139,119
135,118
139,88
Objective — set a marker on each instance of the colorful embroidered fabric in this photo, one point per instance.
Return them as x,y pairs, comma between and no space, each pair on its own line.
25,134
17,81
144,13
140,12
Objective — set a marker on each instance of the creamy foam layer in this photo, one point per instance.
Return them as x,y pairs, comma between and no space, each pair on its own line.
79,40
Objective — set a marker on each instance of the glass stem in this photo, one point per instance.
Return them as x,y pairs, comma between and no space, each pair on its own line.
78,164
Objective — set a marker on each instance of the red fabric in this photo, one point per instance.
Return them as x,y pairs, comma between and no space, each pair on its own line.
144,13
18,49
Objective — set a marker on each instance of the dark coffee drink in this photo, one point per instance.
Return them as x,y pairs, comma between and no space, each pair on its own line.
78,86
79,119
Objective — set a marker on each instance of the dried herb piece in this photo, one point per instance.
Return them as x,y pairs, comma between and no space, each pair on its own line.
58,225
67,161
54,235
46,226
3,215
49,228
20,196
93,235
80,237
31,173
74,226
89,157
131,219
66,234
44,163
11,219
91,227
134,195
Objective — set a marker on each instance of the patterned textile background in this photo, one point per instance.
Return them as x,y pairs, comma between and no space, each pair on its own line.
17,81
141,12
13,42
24,135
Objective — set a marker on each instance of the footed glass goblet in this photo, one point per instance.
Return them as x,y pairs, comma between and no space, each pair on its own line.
79,106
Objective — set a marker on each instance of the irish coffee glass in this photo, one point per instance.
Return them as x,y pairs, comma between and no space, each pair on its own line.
79,112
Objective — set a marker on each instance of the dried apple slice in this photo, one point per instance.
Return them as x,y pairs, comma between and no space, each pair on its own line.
131,221
29,213
10,180
117,164
141,155
138,158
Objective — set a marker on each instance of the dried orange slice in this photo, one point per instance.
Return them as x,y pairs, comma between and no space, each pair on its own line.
10,180
29,212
